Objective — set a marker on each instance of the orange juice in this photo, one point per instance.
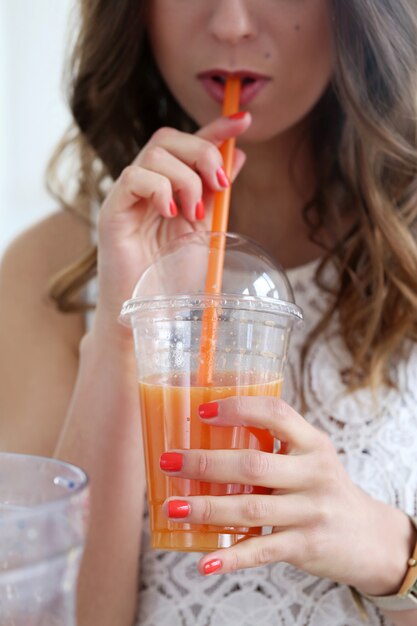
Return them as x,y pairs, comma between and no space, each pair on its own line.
170,421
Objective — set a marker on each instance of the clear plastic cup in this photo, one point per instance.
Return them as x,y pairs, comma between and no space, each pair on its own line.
43,519
254,317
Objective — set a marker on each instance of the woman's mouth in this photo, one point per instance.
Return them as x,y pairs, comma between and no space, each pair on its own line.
214,82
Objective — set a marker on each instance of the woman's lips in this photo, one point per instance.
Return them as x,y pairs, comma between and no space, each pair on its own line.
251,87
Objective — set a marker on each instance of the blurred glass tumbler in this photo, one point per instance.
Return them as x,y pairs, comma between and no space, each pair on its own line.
43,519
255,313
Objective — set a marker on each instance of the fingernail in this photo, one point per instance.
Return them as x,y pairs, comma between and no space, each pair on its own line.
222,178
199,210
173,209
178,509
208,410
170,461
212,566
237,116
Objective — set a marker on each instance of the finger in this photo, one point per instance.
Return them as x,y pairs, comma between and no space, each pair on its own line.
242,467
136,183
225,127
201,155
185,182
242,510
240,159
278,547
200,151
266,412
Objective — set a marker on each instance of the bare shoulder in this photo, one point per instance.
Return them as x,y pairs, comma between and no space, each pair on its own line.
38,344
49,243
34,258
59,228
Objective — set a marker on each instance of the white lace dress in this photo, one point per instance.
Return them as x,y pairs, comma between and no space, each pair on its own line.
378,447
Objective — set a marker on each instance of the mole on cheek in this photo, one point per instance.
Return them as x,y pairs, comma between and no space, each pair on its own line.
297,27
267,55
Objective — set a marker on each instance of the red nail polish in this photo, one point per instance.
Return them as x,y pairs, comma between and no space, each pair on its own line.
178,509
208,410
173,209
199,210
222,178
237,116
171,461
212,566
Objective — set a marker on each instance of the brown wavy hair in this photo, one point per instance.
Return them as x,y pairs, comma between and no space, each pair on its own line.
364,138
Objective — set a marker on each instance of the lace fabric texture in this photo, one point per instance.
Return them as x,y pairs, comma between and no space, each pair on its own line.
376,439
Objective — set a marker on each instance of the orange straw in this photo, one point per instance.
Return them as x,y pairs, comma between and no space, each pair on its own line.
217,244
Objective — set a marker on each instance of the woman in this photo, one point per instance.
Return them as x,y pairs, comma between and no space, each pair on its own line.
330,190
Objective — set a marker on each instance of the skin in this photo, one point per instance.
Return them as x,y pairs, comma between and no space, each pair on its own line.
321,520
237,34
84,409
233,35
325,516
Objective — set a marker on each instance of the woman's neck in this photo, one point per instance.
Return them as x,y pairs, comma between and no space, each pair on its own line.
268,197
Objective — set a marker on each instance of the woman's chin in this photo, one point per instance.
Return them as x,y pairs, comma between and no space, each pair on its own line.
262,132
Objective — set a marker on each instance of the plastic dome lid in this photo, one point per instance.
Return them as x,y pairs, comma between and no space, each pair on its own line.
176,279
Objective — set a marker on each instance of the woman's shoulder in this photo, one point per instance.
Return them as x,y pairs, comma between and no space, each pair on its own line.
31,261
39,345
50,243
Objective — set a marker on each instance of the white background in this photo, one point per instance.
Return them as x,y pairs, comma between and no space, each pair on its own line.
33,115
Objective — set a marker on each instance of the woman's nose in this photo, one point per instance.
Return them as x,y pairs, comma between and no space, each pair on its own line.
231,21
